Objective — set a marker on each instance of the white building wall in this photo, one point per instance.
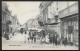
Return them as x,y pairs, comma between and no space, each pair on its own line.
54,8
49,12
62,5
72,2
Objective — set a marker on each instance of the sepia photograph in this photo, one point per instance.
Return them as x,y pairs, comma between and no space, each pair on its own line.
40,25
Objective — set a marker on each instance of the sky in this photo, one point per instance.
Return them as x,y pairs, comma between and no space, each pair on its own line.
24,10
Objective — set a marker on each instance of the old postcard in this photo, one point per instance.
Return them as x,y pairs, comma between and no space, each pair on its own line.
40,25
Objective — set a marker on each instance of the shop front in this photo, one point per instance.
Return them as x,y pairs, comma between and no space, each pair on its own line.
70,28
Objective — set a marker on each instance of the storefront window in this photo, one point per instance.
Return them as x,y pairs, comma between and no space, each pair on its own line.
70,29
68,23
63,25
65,33
75,30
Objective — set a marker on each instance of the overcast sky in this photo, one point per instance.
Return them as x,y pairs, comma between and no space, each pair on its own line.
24,10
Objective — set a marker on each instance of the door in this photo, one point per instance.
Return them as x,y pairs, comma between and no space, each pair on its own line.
70,32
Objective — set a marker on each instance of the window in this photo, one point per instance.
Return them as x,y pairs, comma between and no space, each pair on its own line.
41,7
64,27
2,17
76,25
70,29
65,32
76,31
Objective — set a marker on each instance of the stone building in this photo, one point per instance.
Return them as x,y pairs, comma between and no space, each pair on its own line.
6,15
50,17
9,22
15,23
33,24
62,17
69,21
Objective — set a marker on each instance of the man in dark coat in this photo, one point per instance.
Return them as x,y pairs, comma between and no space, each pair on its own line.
56,36
51,38
34,36
43,32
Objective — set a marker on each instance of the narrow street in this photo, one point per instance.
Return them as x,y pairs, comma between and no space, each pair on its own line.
15,43
45,25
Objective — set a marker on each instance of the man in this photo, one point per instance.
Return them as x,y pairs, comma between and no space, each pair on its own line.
56,36
54,39
65,40
43,32
25,37
7,36
51,38
34,36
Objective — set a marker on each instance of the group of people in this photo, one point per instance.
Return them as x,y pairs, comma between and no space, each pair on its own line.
29,37
50,38
54,39
8,35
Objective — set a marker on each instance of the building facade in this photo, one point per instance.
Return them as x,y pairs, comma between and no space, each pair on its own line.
9,22
33,24
69,22
50,17
15,23
6,14
62,17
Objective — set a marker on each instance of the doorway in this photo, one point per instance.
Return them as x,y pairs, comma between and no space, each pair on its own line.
70,33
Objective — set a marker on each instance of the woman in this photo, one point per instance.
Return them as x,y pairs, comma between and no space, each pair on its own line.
23,38
27,36
47,38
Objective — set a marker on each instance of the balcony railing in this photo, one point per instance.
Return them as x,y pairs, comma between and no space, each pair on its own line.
69,10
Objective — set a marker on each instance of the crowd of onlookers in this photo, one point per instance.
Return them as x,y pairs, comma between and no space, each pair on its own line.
43,36
50,37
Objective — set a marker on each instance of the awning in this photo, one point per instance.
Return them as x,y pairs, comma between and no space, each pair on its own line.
32,28
51,23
